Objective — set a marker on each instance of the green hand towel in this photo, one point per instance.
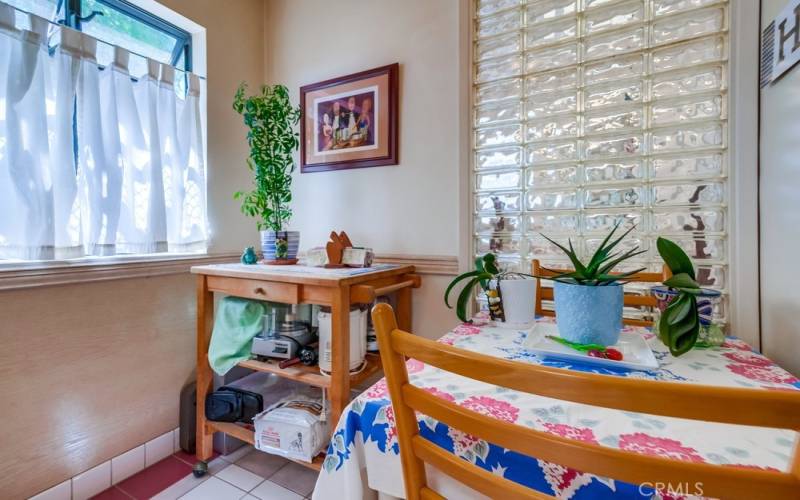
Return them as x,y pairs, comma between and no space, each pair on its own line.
237,322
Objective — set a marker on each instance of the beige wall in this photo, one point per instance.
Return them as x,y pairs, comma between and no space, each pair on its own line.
89,371
410,208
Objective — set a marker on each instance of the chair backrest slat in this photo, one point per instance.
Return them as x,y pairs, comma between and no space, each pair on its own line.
630,300
729,405
673,399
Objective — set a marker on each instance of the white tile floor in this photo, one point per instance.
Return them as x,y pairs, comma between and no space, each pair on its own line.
242,475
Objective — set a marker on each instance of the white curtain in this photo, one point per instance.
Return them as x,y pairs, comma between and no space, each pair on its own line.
138,185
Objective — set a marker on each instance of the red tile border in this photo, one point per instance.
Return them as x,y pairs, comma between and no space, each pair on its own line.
155,478
112,493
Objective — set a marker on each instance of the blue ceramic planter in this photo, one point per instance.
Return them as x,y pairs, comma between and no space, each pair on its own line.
589,314
268,243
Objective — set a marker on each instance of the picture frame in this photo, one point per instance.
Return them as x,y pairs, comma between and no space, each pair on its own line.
350,121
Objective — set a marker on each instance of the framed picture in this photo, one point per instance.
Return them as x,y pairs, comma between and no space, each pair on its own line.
350,122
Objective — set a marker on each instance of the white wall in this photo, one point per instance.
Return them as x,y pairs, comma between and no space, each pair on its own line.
410,208
779,172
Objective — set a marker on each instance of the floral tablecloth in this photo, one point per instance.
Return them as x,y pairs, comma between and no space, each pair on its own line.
364,456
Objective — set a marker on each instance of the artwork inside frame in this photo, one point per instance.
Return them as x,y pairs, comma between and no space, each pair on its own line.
350,121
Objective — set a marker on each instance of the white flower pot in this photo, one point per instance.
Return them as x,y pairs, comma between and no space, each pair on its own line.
519,302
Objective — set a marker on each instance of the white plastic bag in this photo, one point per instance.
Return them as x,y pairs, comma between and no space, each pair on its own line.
292,428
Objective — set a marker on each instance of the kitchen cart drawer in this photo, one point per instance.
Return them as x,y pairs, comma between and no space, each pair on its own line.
274,291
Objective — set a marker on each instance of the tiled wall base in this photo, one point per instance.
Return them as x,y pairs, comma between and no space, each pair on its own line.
245,473
97,479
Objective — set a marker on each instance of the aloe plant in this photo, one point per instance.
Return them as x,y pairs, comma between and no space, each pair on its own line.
679,326
597,272
485,270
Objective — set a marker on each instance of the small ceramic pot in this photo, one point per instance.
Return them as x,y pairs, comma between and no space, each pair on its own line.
711,334
588,314
519,301
268,239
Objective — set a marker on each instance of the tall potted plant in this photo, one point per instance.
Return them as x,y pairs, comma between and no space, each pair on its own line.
272,119
589,300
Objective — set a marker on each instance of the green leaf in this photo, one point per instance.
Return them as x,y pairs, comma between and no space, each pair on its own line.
677,310
490,263
458,279
627,255
570,252
681,280
576,345
463,299
683,335
479,265
675,258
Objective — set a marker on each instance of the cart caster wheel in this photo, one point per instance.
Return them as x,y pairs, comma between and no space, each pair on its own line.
200,469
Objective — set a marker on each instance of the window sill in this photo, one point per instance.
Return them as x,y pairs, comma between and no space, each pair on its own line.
31,275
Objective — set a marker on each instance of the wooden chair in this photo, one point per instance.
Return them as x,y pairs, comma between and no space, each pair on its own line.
546,293
755,407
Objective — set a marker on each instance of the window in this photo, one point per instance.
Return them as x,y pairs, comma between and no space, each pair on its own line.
592,112
101,139
118,23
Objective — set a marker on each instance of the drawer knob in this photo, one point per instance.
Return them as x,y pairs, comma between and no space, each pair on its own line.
260,291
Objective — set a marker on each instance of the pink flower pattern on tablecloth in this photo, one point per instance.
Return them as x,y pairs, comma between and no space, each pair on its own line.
391,431
378,391
440,394
414,366
749,358
769,373
640,442
578,433
461,331
739,344
563,480
492,407
467,329
465,444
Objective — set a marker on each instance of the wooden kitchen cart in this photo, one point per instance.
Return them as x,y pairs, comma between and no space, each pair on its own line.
289,286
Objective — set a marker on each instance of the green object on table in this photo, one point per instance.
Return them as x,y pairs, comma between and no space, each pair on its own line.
237,322
577,346
249,256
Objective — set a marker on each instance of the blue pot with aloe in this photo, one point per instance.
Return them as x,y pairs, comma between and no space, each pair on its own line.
589,299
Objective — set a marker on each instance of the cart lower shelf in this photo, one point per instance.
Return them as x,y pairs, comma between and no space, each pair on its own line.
248,436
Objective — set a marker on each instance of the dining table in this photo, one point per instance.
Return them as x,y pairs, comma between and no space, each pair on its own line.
363,459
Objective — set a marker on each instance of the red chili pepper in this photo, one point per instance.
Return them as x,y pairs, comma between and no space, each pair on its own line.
613,354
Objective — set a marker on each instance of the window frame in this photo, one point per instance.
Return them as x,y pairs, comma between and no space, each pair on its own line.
74,17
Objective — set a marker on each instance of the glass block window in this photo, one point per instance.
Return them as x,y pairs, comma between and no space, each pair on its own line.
589,112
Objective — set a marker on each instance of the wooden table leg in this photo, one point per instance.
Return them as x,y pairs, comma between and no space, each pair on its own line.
404,309
340,351
205,322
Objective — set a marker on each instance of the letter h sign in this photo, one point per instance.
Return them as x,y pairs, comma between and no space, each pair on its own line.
786,49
